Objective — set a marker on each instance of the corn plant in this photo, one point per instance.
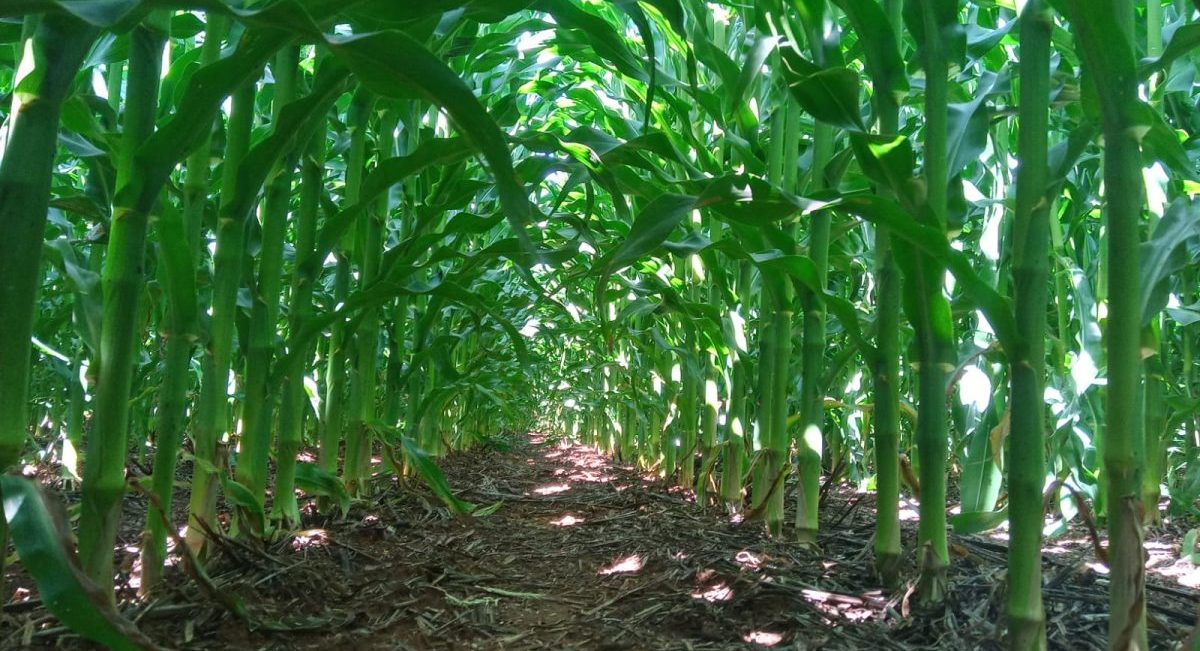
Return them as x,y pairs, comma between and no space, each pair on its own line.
758,249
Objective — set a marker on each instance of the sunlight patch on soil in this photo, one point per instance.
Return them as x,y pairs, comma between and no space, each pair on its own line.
567,520
839,606
631,564
1181,571
552,489
590,476
135,571
1163,559
20,596
748,559
1165,562
309,539
1064,546
715,593
763,638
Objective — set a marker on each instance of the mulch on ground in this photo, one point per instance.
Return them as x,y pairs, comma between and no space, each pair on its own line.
584,553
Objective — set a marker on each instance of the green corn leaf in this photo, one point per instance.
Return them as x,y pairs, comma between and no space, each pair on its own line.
885,159
1162,143
887,213
693,244
637,309
484,511
457,293
393,64
1105,44
881,48
1164,254
977,521
650,229
295,123
970,121
738,94
45,549
192,122
750,201
719,62
100,13
828,94
1181,40
1185,315
179,269
980,480
86,284
1188,548
981,40
634,11
242,497
431,153
798,267
429,471
315,480
600,35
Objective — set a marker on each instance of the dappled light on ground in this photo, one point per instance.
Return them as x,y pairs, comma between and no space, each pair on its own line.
552,489
841,606
715,593
748,560
572,561
580,463
567,521
1167,561
628,565
309,538
763,638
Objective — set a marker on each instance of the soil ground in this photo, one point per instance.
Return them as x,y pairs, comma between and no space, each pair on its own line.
584,553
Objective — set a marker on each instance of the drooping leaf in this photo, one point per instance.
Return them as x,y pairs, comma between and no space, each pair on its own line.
880,46
977,521
47,553
100,13
86,283
885,159
393,64
242,497
1164,253
1181,40
432,475
193,120
887,213
315,480
828,94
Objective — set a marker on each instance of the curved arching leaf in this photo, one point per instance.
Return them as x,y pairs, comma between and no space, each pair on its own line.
45,549
393,64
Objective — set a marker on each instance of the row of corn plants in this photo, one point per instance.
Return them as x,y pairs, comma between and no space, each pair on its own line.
943,251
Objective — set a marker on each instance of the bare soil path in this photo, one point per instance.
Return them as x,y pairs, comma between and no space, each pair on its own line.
585,554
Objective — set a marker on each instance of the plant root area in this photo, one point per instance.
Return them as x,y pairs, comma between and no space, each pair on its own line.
584,553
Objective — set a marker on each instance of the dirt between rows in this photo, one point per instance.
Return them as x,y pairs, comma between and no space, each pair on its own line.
584,553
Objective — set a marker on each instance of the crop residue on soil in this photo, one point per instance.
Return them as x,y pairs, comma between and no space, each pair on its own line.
584,553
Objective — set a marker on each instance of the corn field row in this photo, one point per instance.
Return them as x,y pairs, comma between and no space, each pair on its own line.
258,249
